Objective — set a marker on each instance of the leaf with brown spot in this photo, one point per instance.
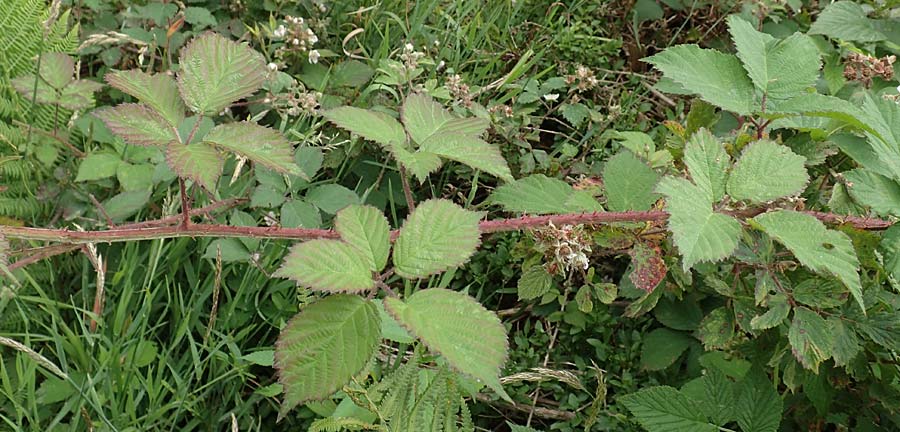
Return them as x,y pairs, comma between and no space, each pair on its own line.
649,267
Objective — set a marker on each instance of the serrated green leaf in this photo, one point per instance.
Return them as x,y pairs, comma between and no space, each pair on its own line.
716,393
820,249
758,407
819,105
57,69
98,166
708,163
700,234
882,328
371,125
126,204
366,229
629,183
534,282
158,91
819,293
300,214
847,20
778,311
419,164
583,299
666,409
327,265
426,119
469,150
471,338
390,328
199,162
344,327
810,338
79,95
845,343
138,125
437,236
874,190
890,249
216,72
715,77
767,171
135,177
539,194
779,68
662,347
681,315
517,428
331,198
260,144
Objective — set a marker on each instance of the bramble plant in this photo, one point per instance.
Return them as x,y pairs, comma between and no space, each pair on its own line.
768,292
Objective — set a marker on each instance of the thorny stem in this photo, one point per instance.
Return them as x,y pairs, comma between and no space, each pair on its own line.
407,191
486,227
185,205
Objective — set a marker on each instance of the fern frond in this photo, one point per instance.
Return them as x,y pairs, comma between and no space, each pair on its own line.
339,424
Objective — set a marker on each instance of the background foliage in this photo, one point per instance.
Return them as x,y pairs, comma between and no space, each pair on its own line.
725,317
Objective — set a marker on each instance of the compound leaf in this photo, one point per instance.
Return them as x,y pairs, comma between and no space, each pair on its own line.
822,250
328,265
366,228
471,338
138,125
215,72
324,346
260,144
437,236
767,171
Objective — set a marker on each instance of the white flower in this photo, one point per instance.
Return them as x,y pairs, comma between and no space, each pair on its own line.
314,56
296,41
280,31
550,97
312,36
267,101
272,67
409,47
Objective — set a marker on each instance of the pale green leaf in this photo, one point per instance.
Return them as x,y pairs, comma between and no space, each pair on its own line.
708,163
157,91
199,162
666,409
517,428
810,338
845,343
767,171
700,233
758,407
661,347
437,236
324,346
715,77
216,72
332,197
819,105
779,68
138,125
424,118
57,69
822,250
847,20
79,95
419,164
629,183
126,204
366,229
300,214
539,194
390,328
327,265
371,125
471,338
469,150
98,166
137,177
260,144
534,282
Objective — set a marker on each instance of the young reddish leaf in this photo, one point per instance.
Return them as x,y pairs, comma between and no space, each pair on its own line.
138,125
215,72
199,162
157,91
259,144
649,269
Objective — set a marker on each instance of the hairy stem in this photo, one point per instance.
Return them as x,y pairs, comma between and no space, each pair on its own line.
407,191
500,225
